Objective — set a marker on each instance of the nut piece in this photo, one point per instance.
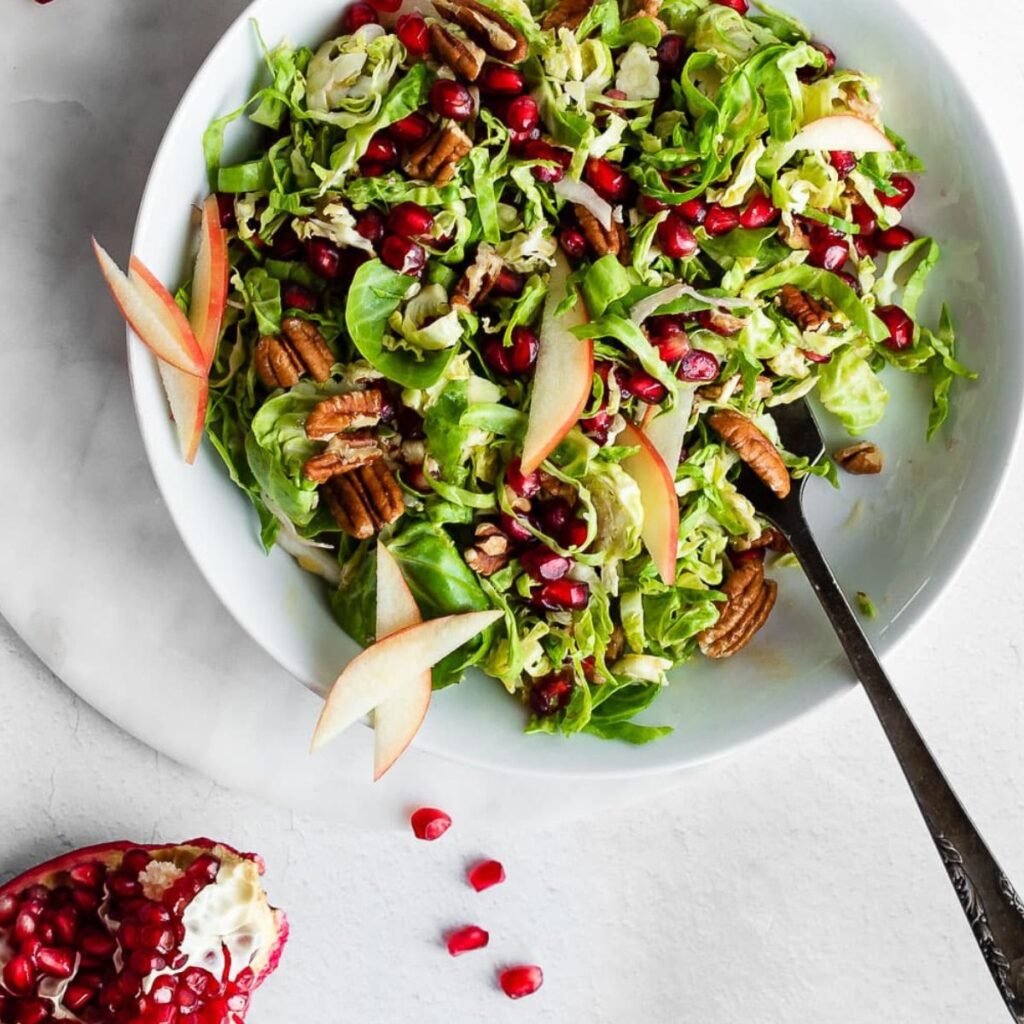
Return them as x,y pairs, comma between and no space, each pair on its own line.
803,309
436,158
567,14
724,323
365,500
770,539
602,240
309,345
276,364
355,410
462,55
489,29
480,277
343,454
753,448
489,551
280,362
716,392
862,459
750,599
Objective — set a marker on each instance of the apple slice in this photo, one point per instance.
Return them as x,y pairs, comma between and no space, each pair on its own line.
844,132
210,282
658,495
667,430
370,677
152,313
397,719
564,373
188,396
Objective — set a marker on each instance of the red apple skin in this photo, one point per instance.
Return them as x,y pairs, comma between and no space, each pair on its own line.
210,282
142,277
658,495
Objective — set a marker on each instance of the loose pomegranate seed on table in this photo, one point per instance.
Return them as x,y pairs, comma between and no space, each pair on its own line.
895,238
760,212
905,190
721,220
429,823
675,238
403,255
486,874
356,16
467,939
899,325
524,980
412,129
451,99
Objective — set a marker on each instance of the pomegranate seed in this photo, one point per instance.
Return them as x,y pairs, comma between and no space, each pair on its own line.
323,257
562,595
640,384
552,516
130,935
521,139
849,280
815,357
8,909
541,563
894,238
865,245
97,944
574,242
509,284
410,220
900,326
673,347
467,939
538,149
285,245
829,249
451,99
725,327
698,366
526,485
522,115
32,1011
25,925
720,221
55,961
607,179
671,55
662,328
486,874
501,80
693,211
525,346
65,925
676,239
808,73
865,219
550,694
904,192
649,205
386,6
370,169
514,529
575,533
429,823
498,356
517,982
356,16
403,255
226,209
19,975
414,128
370,224
295,296
382,150
759,212
158,938
77,996
413,34
86,899
598,425
843,161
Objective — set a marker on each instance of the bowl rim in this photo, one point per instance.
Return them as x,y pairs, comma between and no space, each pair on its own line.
910,615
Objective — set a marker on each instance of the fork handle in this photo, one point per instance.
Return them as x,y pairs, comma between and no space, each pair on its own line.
994,910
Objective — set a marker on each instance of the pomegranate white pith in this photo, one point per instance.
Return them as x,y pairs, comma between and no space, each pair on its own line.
123,934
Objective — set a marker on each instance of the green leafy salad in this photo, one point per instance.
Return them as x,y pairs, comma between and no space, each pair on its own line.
515,287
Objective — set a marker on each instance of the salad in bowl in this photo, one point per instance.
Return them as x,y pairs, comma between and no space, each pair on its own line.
503,300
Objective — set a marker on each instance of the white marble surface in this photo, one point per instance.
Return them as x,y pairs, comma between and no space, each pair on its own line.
793,883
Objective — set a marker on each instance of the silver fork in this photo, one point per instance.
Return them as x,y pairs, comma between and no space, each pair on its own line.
994,910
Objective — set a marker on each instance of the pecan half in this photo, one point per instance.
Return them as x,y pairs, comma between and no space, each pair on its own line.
567,14
753,448
803,309
480,277
462,55
862,459
714,392
723,323
436,158
749,600
489,551
309,345
343,453
365,500
602,240
486,27
770,538
276,364
354,410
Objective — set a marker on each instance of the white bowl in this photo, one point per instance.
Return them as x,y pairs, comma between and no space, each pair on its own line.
899,537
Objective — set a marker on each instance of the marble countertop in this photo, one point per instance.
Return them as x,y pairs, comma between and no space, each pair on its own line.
793,883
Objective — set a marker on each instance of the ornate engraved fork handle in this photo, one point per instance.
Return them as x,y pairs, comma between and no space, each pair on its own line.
994,910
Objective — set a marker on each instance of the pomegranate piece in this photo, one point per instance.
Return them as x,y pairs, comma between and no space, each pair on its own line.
829,248
356,16
899,325
693,211
904,192
285,244
451,99
521,115
607,179
381,150
403,255
739,6
574,535
698,367
760,212
486,875
671,55
90,967
429,823
523,353
597,426
509,284
526,485
550,694
640,384
562,595
573,242
465,940
410,220
371,225
386,6
498,356
413,34
514,529
676,239
524,980
414,128
323,258
501,80
720,220
725,327
649,205
673,346
538,149
296,296
226,209
809,74
865,219
894,238
552,515
843,161
541,563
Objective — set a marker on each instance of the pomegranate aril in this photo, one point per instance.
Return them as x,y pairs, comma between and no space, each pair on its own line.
86,899
429,823
865,245
849,280
403,255
158,938
144,962
676,239
410,220
413,34
808,73
562,595
19,975
760,212
486,874
541,563
497,356
386,6
843,161
829,249
65,925
466,939
865,219
671,55
899,325
323,257
356,16
414,128
575,533
720,221
451,99
26,925
526,485
598,425
607,179
698,367
521,114
98,944
904,192
509,284
296,296
693,211
77,996
32,1011
640,384
89,875
538,149
500,79
56,962
814,357
514,529
523,353
8,909
739,6
524,980
371,169
551,694
226,209
893,238
573,242
649,205
381,150
552,515
672,346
